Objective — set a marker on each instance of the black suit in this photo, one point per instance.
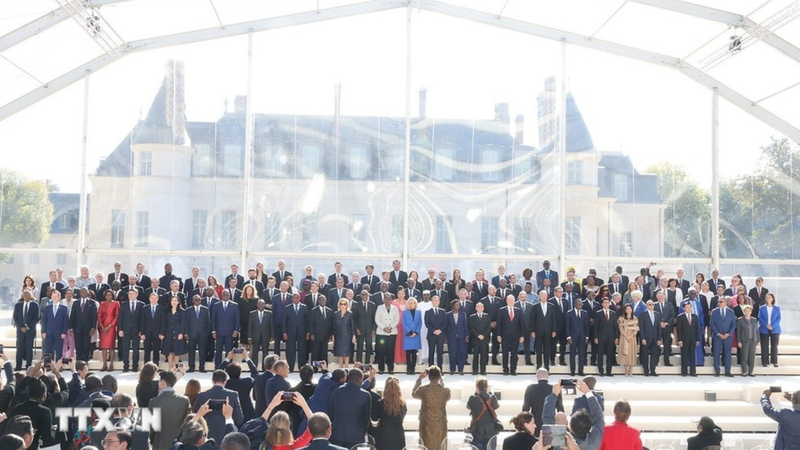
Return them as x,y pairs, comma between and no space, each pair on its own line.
372,280
144,281
124,293
606,332
121,277
649,336
58,286
166,298
398,279
333,277
189,286
436,319
480,290
321,329
545,323
758,299
295,327
279,278
490,307
239,281
668,323
257,285
260,332
150,327
29,320
198,328
128,323
81,321
688,336
98,289
526,323
563,306
364,319
244,387
42,419
533,401
480,326
356,286
510,331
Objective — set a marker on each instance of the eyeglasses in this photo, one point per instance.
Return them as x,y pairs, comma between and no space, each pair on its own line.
106,442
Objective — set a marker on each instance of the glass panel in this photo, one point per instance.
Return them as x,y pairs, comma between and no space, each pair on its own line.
142,228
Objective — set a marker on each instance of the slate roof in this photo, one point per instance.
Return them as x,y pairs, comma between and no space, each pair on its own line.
65,204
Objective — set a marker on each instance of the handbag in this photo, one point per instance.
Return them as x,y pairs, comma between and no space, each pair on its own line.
498,426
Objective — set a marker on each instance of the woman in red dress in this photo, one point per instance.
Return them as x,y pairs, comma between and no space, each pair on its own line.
212,282
400,304
107,325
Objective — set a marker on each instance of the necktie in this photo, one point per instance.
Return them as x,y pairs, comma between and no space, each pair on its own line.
723,312
260,316
511,314
434,311
607,315
133,307
153,311
25,311
522,305
83,304
296,310
323,314
55,309
689,318
224,306
652,318
197,312
455,318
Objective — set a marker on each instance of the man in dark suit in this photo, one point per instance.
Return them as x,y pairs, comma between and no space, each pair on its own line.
338,292
396,276
546,273
152,320
615,284
235,275
503,290
512,284
321,330
563,306
82,326
623,280
501,275
198,327
715,281
155,288
270,290
174,409
214,419
370,278
581,402
295,331
132,286
440,291
99,286
526,323
491,304
191,283
55,324
254,281
759,295
533,400
168,277
606,337
457,337
71,286
225,323
337,275
480,286
117,275
259,330
54,284
234,293
687,332
436,323
281,274
144,280
723,324
174,291
592,307
509,334
350,411
577,330
319,425
545,324
467,307
683,283
260,385
429,284
355,284
279,303
364,319
649,338
128,321
412,291
480,327
667,324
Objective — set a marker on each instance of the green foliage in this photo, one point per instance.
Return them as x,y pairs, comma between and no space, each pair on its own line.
26,213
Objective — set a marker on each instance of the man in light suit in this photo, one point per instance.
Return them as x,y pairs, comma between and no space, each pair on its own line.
364,320
319,425
259,330
545,324
436,324
457,337
480,327
198,329
130,317
295,331
82,326
174,409
687,332
214,418
321,329
546,273
225,323
723,323
649,338
509,334
152,322
55,324
576,327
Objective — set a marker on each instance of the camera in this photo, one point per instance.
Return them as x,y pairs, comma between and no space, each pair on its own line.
366,368
287,396
775,389
238,351
569,386
215,405
48,359
317,364
66,360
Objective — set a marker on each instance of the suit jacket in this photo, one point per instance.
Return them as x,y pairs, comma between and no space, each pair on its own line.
58,324
372,281
174,409
224,321
81,321
319,327
545,323
428,284
436,321
322,444
541,275
563,307
467,308
496,280
491,305
59,286
189,286
507,328
278,277
159,291
198,327
279,303
667,313
165,281
648,330
581,402
620,287
712,285
479,291
357,286
98,289
758,300
577,326
239,281
214,419
257,285
416,293
42,419
332,279
685,333
684,285
139,292
456,331
606,329
364,318
720,325
150,324
351,407
144,281
763,320
334,295
260,391
26,320
129,322
397,280
274,385
533,401
527,317
166,298
123,279
444,298
295,325
480,326
260,331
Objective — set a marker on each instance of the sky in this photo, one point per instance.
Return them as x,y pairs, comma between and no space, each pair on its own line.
651,113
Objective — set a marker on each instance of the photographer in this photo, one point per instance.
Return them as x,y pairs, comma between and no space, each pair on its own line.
482,406
219,395
279,436
788,436
587,429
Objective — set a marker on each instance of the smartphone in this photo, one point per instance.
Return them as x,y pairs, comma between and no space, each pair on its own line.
2,348
238,350
553,435
775,389
366,368
48,359
317,364
180,365
66,360
287,396
216,405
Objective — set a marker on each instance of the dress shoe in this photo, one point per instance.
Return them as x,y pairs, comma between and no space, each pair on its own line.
750,375
647,374
561,362
495,362
124,369
609,375
774,365
729,375
461,373
684,375
505,372
190,370
514,373
668,364
653,374
528,362
716,375
474,372
581,374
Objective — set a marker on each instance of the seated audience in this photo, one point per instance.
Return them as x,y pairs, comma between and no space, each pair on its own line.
319,425
524,438
619,436
708,433
392,409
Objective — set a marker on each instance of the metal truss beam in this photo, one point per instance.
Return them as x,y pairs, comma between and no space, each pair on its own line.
699,76
192,37
32,28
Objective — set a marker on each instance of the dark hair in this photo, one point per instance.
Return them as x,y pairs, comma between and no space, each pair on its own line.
707,424
520,420
355,376
306,374
12,442
338,374
20,426
168,377
591,382
580,424
219,376
434,373
126,437
269,361
318,424
80,365
37,390
622,411
235,441
110,383
191,433
93,383
234,370
148,372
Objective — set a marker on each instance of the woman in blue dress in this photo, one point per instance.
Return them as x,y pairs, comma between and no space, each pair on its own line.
412,325
343,333
174,332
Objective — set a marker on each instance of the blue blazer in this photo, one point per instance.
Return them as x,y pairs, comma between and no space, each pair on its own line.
577,327
776,320
720,325
60,323
322,444
350,411
637,310
225,321
412,325
458,331
278,310
435,322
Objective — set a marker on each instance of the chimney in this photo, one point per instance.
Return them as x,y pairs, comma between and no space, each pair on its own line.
519,129
423,102
240,104
546,102
501,113
337,99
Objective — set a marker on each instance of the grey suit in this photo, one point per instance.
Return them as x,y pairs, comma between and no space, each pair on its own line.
260,331
747,336
174,409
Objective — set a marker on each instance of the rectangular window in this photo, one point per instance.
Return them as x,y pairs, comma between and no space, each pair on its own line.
443,231
201,160
311,156
626,243
272,231
396,240
573,237
574,172
621,187
276,161
359,163
443,164
61,259
490,162
142,228
35,258
489,234
232,160
522,234
199,217
309,237
523,163
117,228
228,229
65,221
146,163
358,233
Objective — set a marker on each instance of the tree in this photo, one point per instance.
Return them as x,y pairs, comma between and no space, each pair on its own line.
26,213
688,214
